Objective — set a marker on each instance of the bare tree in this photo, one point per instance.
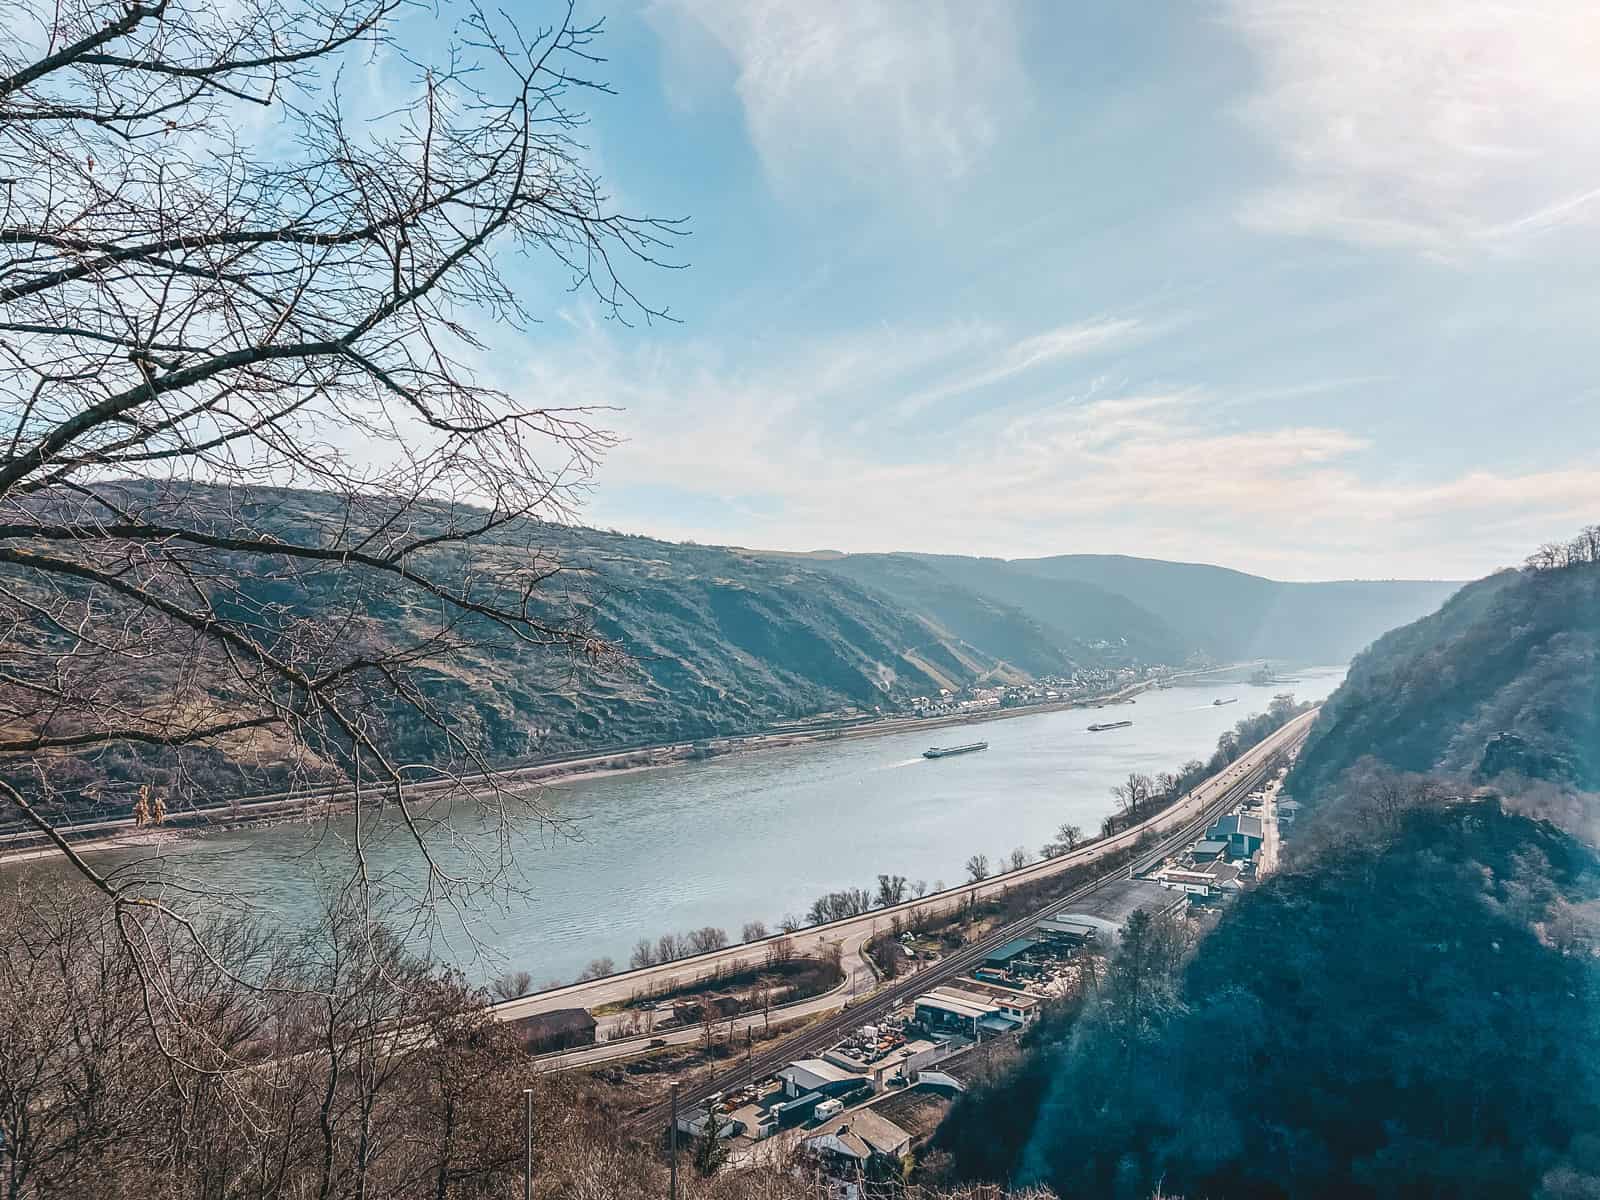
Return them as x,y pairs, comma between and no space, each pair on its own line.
668,947
1018,859
755,931
597,968
891,890
512,985
644,954
1067,839
1134,796
836,906
197,318
706,939
779,951
977,867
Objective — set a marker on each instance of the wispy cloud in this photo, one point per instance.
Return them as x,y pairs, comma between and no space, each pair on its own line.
919,86
777,456
1028,354
1433,125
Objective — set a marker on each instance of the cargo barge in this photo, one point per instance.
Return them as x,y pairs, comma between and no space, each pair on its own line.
947,751
1109,725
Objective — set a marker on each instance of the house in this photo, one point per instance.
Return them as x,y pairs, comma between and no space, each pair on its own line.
1288,810
697,1120
558,1029
847,1145
1208,850
1223,877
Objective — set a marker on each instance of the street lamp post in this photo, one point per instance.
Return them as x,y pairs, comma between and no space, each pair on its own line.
673,1135
527,1144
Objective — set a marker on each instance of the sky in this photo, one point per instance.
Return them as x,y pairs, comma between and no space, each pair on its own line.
1305,289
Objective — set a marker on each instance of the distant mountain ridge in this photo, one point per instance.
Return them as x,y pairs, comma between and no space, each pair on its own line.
1150,610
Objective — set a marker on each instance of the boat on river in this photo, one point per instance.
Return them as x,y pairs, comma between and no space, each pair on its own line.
1101,728
1225,700
947,751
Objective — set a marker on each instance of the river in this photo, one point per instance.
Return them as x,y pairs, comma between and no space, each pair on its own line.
756,836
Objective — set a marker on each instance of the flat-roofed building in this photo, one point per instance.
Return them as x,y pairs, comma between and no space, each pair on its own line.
1012,1003
1064,931
557,1029
959,1011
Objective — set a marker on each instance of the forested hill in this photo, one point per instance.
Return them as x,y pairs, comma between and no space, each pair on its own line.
1505,678
1144,608
1234,615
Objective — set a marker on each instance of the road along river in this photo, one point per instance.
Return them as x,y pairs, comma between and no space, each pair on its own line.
754,836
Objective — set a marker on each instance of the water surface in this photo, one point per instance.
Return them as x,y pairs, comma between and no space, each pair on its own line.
727,840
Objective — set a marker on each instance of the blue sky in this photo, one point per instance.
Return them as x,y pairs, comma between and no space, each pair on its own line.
1308,290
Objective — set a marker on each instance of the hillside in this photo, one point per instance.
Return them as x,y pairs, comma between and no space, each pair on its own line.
1504,678
714,640
1114,608
980,616
1233,615
1095,620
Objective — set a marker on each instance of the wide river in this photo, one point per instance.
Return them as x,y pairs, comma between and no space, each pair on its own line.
759,835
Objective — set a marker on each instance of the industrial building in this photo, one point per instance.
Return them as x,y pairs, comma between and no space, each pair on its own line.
817,1075
1066,931
879,1054
970,1014
1012,950
1204,880
1243,835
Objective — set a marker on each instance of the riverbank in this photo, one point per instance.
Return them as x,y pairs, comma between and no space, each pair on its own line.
281,808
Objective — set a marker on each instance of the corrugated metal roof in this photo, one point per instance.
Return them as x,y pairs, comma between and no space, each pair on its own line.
1012,949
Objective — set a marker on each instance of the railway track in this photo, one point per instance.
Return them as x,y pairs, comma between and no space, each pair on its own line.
863,1012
